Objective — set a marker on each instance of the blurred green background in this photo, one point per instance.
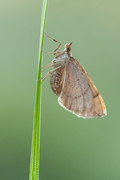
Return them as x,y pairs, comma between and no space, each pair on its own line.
71,148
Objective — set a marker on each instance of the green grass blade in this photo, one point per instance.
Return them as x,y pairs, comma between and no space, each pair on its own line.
35,147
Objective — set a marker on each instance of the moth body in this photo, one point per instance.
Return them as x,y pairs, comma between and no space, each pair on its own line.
71,83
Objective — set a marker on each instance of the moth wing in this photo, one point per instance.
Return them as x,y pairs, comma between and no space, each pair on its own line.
79,95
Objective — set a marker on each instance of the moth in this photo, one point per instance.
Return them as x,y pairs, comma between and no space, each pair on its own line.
73,86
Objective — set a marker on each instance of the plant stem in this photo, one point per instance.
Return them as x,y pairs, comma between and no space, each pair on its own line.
35,147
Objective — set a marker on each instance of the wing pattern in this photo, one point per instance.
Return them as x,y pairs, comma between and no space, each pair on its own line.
79,95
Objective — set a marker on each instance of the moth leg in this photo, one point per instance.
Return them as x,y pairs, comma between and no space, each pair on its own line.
54,53
47,52
55,41
45,67
43,78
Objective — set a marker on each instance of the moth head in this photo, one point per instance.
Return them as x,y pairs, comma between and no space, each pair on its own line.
68,47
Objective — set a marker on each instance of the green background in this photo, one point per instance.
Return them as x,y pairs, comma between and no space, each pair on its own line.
71,148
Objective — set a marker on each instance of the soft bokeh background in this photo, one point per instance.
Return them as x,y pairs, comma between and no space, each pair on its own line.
71,148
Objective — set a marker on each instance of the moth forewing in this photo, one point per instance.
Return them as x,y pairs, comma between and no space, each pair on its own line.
79,95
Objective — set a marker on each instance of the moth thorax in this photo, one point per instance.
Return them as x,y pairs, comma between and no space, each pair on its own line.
60,62
56,81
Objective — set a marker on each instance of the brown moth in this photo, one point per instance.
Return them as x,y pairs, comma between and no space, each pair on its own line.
71,83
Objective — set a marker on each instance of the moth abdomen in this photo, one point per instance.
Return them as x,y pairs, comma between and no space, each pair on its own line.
56,81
